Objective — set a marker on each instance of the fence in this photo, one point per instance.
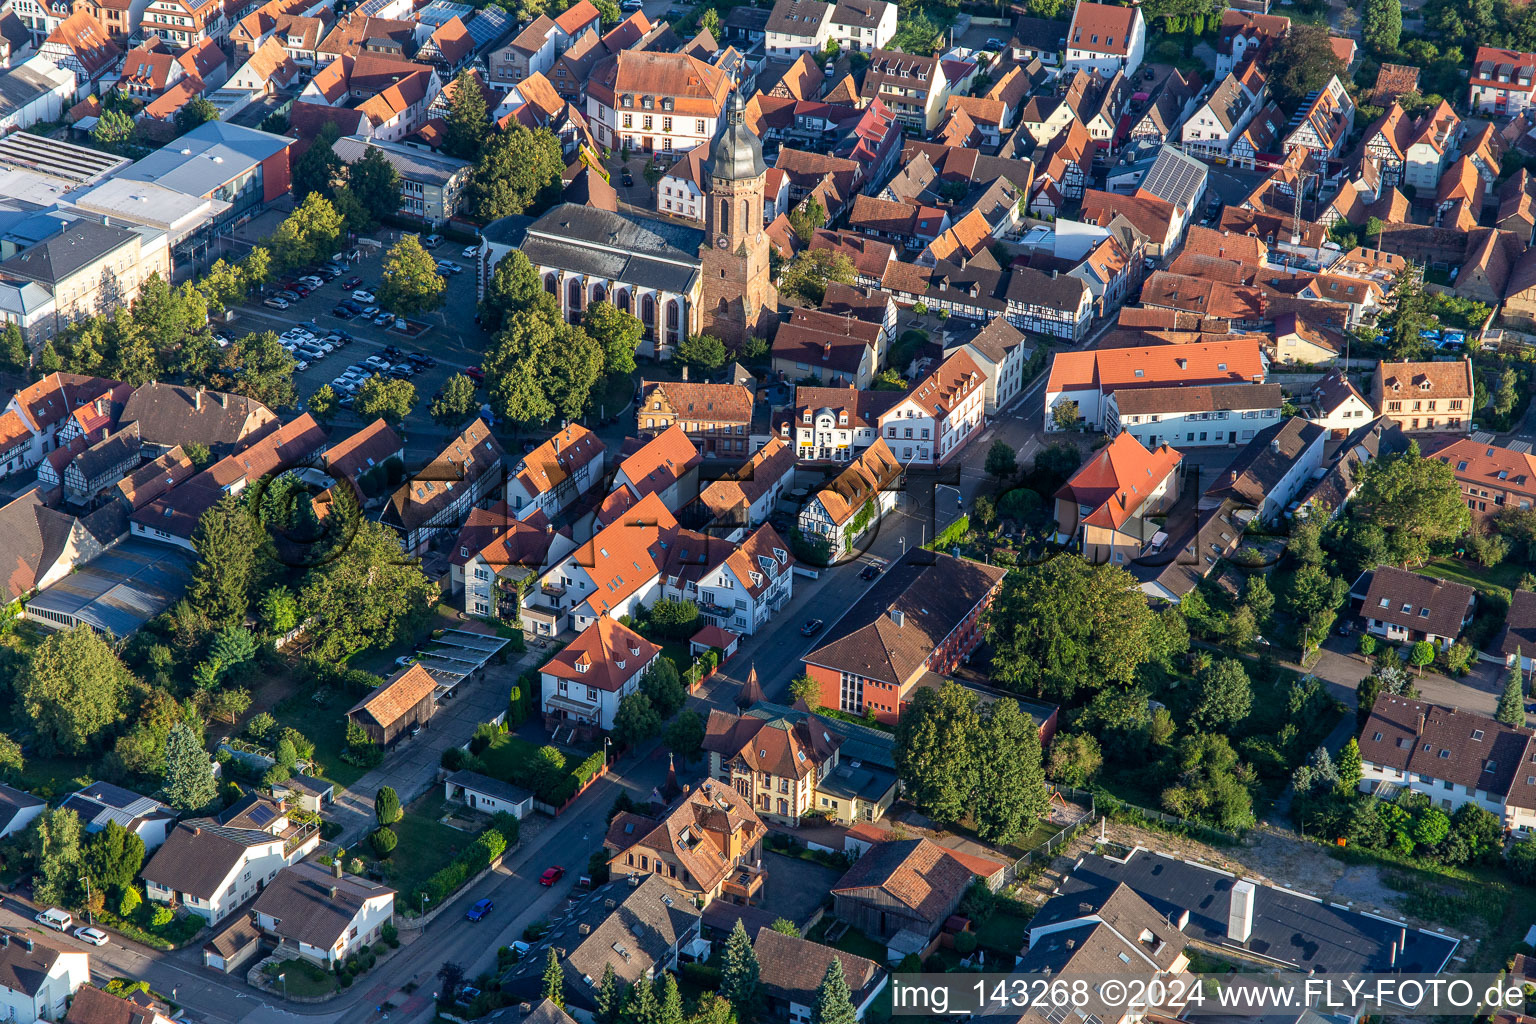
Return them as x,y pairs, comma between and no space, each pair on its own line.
1047,851
1113,807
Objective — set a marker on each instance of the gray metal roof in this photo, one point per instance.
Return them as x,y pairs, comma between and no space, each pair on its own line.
122,588
206,158
861,743
80,244
57,158
419,165
637,250
22,85
737,153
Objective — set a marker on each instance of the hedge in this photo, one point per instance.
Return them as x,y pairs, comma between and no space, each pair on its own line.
475,858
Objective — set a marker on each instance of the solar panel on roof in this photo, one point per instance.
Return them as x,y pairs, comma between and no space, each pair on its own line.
261,814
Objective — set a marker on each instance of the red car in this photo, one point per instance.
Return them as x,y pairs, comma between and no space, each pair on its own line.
552,875
475,374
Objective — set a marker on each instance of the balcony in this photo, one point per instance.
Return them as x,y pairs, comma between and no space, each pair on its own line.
743,885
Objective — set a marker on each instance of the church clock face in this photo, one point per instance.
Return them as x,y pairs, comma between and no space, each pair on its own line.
722,242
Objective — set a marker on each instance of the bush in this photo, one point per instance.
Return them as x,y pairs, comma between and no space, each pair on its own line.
453,758
391,935
507,824
702,976
485,734
965,943
161,917
383,841
130,902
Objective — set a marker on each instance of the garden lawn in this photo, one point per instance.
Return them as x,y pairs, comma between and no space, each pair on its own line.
305,980
326,727
426,845
1500,579
49,777
509,758
852,941
1004,932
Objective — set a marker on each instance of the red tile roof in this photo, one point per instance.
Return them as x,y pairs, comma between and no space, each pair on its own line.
606,655
1119,479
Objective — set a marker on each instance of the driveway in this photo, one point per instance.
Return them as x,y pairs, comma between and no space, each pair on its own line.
795,887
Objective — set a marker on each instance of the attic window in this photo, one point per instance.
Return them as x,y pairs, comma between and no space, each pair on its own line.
1376,738
1477,734
1491,766
1141,373
800,754
1386,602
1445,754
1423,613
1461,467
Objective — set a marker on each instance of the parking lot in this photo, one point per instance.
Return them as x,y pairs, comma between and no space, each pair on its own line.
448,337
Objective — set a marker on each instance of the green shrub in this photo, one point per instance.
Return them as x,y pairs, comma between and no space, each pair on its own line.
965,943
129,902
702,976
346,981
453,758
384,841
161,917
390,935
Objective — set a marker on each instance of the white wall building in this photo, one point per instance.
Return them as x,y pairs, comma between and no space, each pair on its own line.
37,978
1105,39
935,419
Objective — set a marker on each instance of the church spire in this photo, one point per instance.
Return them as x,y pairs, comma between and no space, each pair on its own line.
751,691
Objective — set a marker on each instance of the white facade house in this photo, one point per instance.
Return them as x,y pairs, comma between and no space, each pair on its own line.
487,795
101,802
556,473
935,419
798,26
855,502
36,90
1105,39
18,809
1223,116
1001,353
861,25
582,685
1337,406
1193,417
325,915
744,590
37,978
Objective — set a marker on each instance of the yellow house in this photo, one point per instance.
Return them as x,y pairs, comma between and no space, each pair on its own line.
1106,505
91,267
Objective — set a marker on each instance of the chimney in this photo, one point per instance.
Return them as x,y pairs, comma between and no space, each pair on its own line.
333,893
223,400
1274,444
685,371
197,399
25,941
899,617
336,864
1420,730
1233,475
1240,913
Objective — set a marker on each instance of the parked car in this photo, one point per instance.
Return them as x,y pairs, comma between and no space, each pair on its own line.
480,909
362,296
301,364
628,179
869,572
812,627
475,374
552,875
378,363
95,936
342,313
421,359
470,252
313,280
384,319
432,241
58,920
351,282
401,371
994,43
393,351
275,302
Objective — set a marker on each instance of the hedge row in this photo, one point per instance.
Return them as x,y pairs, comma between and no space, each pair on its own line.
475,858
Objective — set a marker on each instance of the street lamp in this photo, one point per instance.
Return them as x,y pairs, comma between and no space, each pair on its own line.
606,743
90,917
283,977
424,899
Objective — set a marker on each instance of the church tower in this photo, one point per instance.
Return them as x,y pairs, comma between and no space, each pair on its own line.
738,296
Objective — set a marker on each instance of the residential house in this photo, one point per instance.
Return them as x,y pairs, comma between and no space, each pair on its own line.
716,417
1491,477
210,866
1157,119
1041,39
613,574
939,414
708,845
912,86
1336,405
1451,756
835,350
100,466
37,978
862,25
790,970
81,45
18,808
636,927
367,455
856,500
93,1006
655,102
441,494
1000,352
1407,606
1271,471
402,705
1517,640
497,554
835,424
667,465
102,802
1323,125
748,495
1217,122
557,473
1245,36
920,618
1087,378
432,185
1108,508
325,915
1194,416
777,764
738,587
901,891
1425,396
1105,39
797,27
1502,81
42,545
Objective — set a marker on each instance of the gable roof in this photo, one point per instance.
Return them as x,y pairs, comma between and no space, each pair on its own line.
1446,743
919,874
558,459
401,692
360,452
1426,379
792,968
626,554
605,655
1116,481
1102,28
750,481
1215,362
720,403
466,458
694,831
198,856
311,906
1417,602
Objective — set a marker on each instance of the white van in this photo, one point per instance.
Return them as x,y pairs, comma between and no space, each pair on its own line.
58,920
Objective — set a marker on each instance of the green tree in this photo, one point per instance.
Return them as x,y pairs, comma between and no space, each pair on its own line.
739,973
257,366
383,840
635,721
1065,625
376,184
386,806
685,734
554,979
834,1003
806,217
71,689
12,762
515,287
468,120
1421,654
1064,414
457,400
709,21
1226,695
715,1009
48,360
311,232
223,285
669,1009
256,268
113,857
112,129
225,541
540,367
323,404
1301,63
803,280
1511,709
315,172
1350,766
1382,27
189,779
1075,759
364,594
57,853
935,753
518,169
1002,461
805,689
641,1006
617,332
198,110
702,350
1010,783
14,357
609,997
411,283
784,926
1416,501
1476,835
1430,827
1212,784
385,397
663,687
233,648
